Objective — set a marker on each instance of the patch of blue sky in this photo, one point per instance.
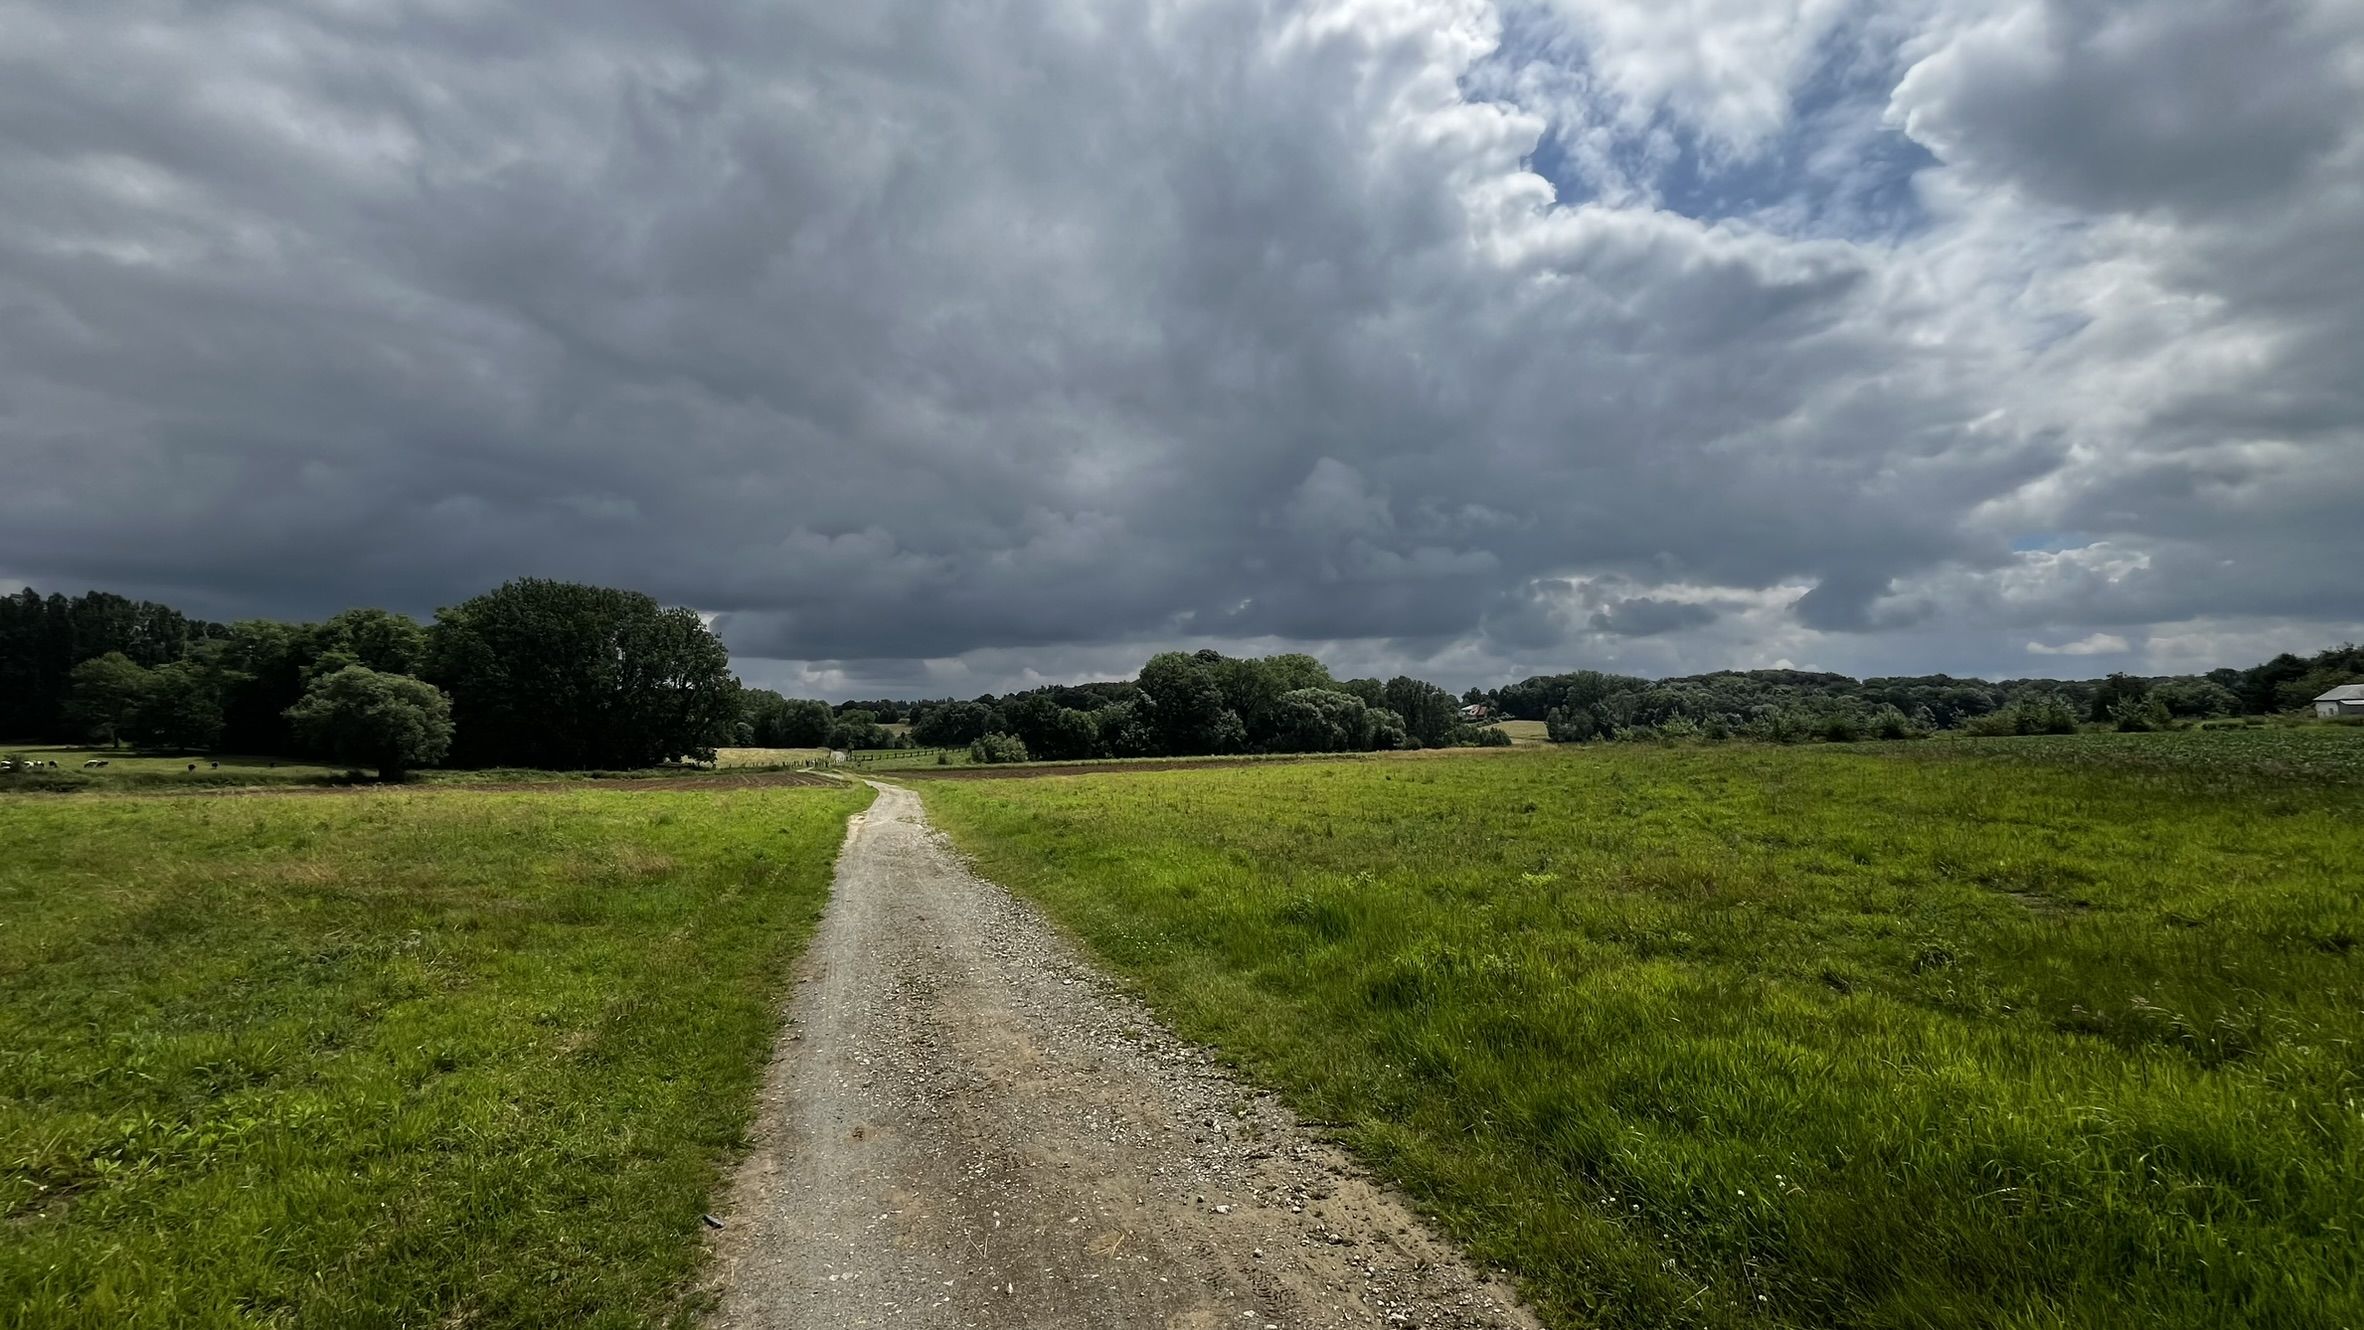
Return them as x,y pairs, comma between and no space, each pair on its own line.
1836,167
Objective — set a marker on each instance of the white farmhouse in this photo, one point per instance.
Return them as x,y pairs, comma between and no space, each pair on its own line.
2345,700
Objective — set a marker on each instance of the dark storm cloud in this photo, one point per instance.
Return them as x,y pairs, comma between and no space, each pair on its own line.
1645,616
1043,334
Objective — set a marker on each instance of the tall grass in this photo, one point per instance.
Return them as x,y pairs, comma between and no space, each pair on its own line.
1886,1037
396,1059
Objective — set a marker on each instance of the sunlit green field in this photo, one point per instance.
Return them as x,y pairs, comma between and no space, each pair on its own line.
399,1058
866,759
130,772
127,769
1523,732
1999,1033
768,757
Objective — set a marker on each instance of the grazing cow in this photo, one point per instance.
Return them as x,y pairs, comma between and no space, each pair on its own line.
192,766
217,766
94,762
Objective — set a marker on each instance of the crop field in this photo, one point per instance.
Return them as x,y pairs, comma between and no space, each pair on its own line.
2019,1032
400,1058
863,759
768,757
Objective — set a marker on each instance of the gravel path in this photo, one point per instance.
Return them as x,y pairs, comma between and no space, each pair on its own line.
966,1125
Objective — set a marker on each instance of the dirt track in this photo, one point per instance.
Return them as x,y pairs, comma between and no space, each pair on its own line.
965,1125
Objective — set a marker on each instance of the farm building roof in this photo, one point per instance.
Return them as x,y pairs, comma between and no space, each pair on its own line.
2346,692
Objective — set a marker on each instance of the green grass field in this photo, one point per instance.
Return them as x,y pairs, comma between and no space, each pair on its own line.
130,770
401,1058
2003,1033
1524,733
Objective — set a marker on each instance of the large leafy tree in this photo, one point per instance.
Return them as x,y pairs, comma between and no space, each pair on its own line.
108,693
366,718
1182,706
1430,714
568,677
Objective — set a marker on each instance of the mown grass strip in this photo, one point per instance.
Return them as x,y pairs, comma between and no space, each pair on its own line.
1819,1037
395,1059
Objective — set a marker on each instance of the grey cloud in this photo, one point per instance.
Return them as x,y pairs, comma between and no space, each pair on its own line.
1643,616
894,333
2203,106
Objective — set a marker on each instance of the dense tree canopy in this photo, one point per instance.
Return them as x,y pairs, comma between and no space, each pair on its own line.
184,706
1324,720
1430,714
1183,707
42,639
773,721
952,724
553,674
566,677
386,642
108,694
1793,704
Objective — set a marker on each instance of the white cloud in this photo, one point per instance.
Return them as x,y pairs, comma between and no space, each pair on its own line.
2095,644
1726,69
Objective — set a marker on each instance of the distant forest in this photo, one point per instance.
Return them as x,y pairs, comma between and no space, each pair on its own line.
1292,704
1790,705
560,676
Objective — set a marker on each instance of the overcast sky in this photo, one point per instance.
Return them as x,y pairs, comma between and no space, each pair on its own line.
937,348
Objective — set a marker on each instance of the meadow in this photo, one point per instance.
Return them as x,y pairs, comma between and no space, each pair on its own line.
396,1058
129,771
2031,1032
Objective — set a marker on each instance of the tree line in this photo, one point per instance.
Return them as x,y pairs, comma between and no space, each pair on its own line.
1182,704
561,676
1793,705
534,673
